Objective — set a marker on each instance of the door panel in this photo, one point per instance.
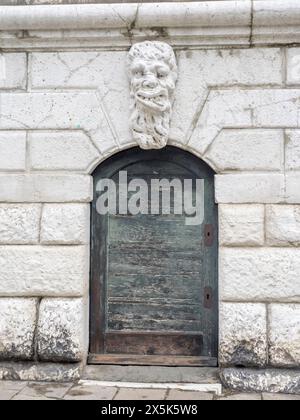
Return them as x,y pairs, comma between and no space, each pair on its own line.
154,343
153,277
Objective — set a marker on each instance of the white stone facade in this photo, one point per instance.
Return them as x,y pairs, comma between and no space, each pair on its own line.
64,109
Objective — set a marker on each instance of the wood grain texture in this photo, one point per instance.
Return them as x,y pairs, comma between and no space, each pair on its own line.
141,360
154,343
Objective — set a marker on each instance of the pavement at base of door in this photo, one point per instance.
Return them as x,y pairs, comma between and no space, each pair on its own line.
15,390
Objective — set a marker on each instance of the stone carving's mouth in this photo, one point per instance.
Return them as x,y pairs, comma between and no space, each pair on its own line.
156,100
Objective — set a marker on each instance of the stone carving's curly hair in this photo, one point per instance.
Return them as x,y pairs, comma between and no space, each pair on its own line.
153,50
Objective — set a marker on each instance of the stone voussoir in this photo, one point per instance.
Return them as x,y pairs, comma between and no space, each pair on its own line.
61,151
258,150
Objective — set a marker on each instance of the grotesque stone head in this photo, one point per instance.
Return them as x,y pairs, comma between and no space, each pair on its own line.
153,72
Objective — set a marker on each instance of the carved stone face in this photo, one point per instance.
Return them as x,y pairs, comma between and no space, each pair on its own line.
152,84
153,74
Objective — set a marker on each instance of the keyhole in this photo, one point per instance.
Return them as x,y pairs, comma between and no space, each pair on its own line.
208,235
207,298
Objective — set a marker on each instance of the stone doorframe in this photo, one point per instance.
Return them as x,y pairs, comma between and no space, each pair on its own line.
64,112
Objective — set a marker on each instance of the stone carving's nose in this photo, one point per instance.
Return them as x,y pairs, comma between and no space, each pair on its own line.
150,82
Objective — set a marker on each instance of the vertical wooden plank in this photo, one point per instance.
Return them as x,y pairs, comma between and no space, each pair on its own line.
98,280
211,272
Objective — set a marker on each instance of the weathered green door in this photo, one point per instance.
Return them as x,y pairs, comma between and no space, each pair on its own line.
154,294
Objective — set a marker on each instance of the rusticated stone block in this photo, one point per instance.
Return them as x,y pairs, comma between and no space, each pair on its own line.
43,271
65,224
17,327
260,274
39,188
13,67
262,380
19,223
284,347
12,150
283,225
249,188
61,330
243,334
33,371
241,225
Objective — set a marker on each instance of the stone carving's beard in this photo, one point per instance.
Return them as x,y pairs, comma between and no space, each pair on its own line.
150,118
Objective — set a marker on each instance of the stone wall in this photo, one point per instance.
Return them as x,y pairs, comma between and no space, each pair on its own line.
58,2
65,108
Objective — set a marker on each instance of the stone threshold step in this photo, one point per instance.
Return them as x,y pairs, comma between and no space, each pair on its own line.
202,388
188,378
149,374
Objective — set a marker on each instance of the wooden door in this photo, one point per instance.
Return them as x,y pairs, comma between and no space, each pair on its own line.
154,294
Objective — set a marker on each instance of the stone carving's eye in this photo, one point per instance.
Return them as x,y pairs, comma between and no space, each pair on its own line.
138,72
161,74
